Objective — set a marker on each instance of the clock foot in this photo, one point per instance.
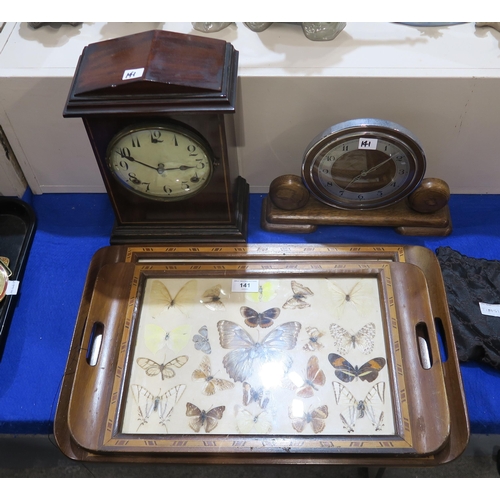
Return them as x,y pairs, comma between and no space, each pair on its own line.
282,227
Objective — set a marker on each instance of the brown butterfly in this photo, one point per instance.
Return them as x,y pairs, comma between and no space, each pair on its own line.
212,384
314,377
212,299
153,368
358,409
264,319
315,417
347,372
343,340
298,300
161,299
313,344
204,419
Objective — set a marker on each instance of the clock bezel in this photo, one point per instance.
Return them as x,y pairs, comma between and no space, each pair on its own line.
365,128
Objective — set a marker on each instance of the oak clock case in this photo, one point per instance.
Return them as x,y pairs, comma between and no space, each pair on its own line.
137,96
360,172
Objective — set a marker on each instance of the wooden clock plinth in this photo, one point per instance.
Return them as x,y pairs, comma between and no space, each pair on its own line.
289,209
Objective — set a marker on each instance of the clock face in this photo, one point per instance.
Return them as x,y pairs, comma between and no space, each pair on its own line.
160,162
363,164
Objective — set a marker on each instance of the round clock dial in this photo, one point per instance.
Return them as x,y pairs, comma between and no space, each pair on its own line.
363,164
160,162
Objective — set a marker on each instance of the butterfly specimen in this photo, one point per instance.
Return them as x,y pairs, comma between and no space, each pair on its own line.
298,299
212,384
251,395
360,296
160,298
313,344
162,404
344,341
267,292
358,409
201,342
207,420
250,423
153,368
156,338
264,319
314,417
314,377
247,354
212,300
347,372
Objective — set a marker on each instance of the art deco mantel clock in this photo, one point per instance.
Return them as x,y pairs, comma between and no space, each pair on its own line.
362,172
158,108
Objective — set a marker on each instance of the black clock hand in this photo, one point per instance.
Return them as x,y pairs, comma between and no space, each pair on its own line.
364,173
131,158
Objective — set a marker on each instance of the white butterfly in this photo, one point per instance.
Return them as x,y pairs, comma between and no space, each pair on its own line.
358,409
344,341
201,342
212,298
160,298
163,404
360,296
253,423
249,354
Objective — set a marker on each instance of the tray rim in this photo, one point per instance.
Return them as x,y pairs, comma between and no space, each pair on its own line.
402,253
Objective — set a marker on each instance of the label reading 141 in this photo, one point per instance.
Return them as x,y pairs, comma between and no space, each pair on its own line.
367,143
245,286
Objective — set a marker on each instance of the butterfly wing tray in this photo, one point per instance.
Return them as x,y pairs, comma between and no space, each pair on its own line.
263,354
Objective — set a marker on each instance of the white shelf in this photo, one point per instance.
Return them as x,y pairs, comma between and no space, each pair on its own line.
441,83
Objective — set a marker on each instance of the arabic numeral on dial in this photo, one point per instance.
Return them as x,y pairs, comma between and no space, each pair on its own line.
341,192
402,171
325,171
380,193
330,158
192,150
185,186
361,197
200,165
123,164
133,179
155,136
135,142
167,190
124,152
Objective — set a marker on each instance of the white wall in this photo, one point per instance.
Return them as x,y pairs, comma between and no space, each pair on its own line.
441,83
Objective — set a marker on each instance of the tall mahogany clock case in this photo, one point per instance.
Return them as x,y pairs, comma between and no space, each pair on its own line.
158,108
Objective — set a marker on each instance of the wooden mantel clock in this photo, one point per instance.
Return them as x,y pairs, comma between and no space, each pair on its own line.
362,172
158,108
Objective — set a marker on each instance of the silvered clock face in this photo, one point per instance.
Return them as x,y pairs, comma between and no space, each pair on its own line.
363,164
160,162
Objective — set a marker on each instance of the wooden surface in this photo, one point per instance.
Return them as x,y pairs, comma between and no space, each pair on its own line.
425,212
202,99
452,404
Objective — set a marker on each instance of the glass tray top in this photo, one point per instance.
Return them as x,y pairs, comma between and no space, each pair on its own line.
292,356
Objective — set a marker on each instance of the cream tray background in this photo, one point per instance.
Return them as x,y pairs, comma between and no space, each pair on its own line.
190,358
440,83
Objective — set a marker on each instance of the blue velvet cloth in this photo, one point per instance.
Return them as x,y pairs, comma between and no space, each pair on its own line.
71,227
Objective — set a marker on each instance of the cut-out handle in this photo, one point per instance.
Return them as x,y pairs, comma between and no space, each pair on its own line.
95,342
424,349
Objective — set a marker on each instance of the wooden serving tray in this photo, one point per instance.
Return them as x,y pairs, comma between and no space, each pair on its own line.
315,354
